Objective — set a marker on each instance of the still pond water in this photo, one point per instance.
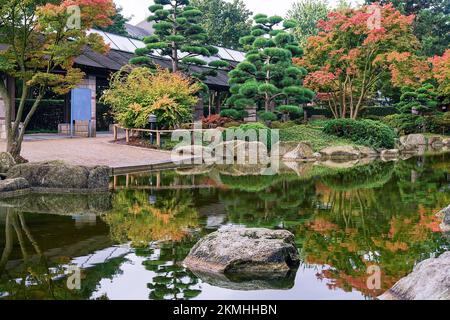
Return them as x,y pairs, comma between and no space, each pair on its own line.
130,243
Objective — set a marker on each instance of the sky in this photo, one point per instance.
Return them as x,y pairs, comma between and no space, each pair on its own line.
138,9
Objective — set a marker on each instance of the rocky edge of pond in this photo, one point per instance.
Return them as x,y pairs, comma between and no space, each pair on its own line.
244,251
430,279
50,176
407,145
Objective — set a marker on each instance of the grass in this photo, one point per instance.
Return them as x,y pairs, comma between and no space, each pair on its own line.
313,135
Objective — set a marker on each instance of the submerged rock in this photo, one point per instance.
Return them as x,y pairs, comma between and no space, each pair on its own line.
244,251
6,162
341,152
430,280
58,175
16,184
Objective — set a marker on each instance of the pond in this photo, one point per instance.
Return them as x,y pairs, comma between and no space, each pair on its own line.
130,243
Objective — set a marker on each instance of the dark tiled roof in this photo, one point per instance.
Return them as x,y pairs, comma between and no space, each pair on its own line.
114,60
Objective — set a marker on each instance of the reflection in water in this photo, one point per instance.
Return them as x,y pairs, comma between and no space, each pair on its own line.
132,244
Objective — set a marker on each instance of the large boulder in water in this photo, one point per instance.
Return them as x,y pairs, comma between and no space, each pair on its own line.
58,175
244,251
430,280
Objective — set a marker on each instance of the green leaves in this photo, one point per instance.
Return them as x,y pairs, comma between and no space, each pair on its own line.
267,75
219,64
289,109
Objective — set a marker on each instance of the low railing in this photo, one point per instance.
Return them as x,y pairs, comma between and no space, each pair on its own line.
129,133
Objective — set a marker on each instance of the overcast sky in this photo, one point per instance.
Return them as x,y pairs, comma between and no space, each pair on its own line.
138,9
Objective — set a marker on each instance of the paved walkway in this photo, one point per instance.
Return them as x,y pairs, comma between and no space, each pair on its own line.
90,152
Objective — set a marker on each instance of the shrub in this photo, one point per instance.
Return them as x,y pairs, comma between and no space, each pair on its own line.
232,113
215,121
267,116
251,126
408,123
378,111
365,132
135,93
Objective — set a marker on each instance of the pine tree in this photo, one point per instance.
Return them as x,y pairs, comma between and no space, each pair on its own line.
267,77
179,36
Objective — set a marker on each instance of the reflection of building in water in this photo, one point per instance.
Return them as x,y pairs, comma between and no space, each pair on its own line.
87,219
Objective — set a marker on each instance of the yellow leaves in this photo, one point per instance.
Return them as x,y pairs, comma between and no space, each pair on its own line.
169,96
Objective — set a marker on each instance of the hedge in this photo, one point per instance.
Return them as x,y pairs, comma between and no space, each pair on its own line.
371,133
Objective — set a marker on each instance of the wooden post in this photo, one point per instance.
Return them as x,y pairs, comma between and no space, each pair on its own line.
158,139
115,132
127,135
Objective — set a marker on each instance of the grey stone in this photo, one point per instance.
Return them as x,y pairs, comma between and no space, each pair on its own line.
436,142
368,152
445,216
98,178
340,152
430,280
446,142
244,251
303,151
414,140
15,184
58,175
390,154
6,162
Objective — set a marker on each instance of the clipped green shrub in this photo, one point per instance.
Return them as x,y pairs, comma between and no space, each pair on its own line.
371,133
267,116
408,123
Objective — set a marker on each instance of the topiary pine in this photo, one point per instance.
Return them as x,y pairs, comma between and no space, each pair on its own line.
423,99
267,76
179,36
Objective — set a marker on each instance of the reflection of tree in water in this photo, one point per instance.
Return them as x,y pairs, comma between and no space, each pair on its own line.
160,230
172,280
374,222
37,277
35,280
137,219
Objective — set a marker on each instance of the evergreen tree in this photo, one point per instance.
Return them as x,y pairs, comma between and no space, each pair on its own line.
118,24
421,100
225,22
267,76
179,36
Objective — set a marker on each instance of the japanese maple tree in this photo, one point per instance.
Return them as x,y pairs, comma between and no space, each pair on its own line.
42,40
355,50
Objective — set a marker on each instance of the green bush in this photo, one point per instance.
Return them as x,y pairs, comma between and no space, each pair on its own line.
408,123
251,126
232,113
378,111
267,116
365,132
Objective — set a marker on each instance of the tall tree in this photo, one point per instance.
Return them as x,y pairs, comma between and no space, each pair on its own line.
42,41
306,13
225,22
431,25
118,24
351,55
267,75
179,36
